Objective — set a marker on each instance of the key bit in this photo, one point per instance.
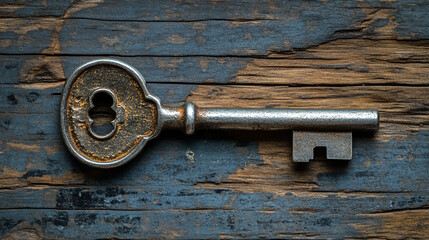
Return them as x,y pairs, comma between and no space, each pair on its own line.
139,117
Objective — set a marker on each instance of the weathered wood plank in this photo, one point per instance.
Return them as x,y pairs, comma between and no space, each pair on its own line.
186,10
217,160
409,14
163,38
29,69
312,24
209,224
341,62
178,197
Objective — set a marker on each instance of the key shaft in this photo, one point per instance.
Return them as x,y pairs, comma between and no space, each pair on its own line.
189,117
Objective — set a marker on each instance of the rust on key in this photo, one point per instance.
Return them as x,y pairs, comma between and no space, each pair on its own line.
139,115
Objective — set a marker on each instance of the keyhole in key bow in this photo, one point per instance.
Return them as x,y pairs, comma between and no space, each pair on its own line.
102,113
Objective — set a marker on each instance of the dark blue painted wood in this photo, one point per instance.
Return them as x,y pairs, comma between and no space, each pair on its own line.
295,24
176,197
27,69
219,38
165,161
182,224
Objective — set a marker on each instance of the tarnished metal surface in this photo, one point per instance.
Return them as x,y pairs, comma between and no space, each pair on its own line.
136,113
139,117
294,119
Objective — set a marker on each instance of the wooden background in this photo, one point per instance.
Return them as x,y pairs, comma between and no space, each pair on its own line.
222,184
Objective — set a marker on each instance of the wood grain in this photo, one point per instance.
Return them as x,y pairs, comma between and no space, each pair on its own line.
219,184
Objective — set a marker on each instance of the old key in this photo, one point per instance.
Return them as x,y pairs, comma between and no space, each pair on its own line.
140,116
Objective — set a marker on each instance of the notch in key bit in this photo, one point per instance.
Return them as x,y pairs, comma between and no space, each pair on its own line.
338,145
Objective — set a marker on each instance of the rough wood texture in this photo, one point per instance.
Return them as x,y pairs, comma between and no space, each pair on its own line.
340,54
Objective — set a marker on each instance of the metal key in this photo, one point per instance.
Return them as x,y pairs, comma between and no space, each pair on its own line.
140,116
